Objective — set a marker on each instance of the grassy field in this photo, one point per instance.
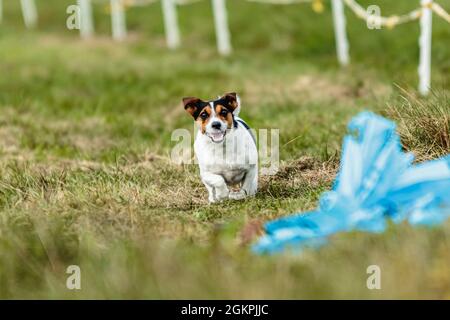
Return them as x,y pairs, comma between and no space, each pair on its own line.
85,139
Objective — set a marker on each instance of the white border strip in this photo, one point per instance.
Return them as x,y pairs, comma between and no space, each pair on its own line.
1,11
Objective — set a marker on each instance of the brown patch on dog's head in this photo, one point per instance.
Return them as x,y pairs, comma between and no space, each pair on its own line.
194,105
225,114
199,110
231,101
225,108
204,117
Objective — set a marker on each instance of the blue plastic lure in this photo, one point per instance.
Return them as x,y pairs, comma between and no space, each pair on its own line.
376,181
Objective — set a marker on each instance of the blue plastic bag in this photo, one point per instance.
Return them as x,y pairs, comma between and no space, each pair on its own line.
376,181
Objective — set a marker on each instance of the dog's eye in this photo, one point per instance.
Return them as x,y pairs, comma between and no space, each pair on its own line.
204,115
224,112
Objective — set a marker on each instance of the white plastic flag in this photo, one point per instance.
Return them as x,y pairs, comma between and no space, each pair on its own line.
86,24
119,30
29,13
169,8
1,11
425,48
340,32
221,25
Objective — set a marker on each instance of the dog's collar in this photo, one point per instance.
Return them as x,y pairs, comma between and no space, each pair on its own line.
235,123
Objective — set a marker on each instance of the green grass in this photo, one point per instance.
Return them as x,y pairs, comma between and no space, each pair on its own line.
424,126
85,175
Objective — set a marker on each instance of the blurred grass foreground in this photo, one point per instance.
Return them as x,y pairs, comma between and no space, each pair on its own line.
85,140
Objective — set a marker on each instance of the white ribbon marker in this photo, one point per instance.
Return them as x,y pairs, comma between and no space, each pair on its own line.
221,25
169,8
29,13
340,32
86,24
119,29
425,48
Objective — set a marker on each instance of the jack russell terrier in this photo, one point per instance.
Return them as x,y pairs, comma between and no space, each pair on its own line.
225,147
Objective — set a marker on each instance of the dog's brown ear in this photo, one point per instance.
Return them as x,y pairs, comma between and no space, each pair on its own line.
192,105
233,101
231,95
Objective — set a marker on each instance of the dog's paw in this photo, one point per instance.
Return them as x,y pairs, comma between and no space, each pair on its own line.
237,195
221,194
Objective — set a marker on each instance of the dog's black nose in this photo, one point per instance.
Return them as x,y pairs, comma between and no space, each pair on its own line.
216,125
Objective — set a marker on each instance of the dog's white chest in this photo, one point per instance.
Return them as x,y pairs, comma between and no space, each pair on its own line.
231,174
230,160
232,166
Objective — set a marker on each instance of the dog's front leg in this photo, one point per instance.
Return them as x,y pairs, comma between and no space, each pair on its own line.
216,186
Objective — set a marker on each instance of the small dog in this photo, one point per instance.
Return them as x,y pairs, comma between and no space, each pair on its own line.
225,147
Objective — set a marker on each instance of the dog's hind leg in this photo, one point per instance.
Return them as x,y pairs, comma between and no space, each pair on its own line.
250,184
